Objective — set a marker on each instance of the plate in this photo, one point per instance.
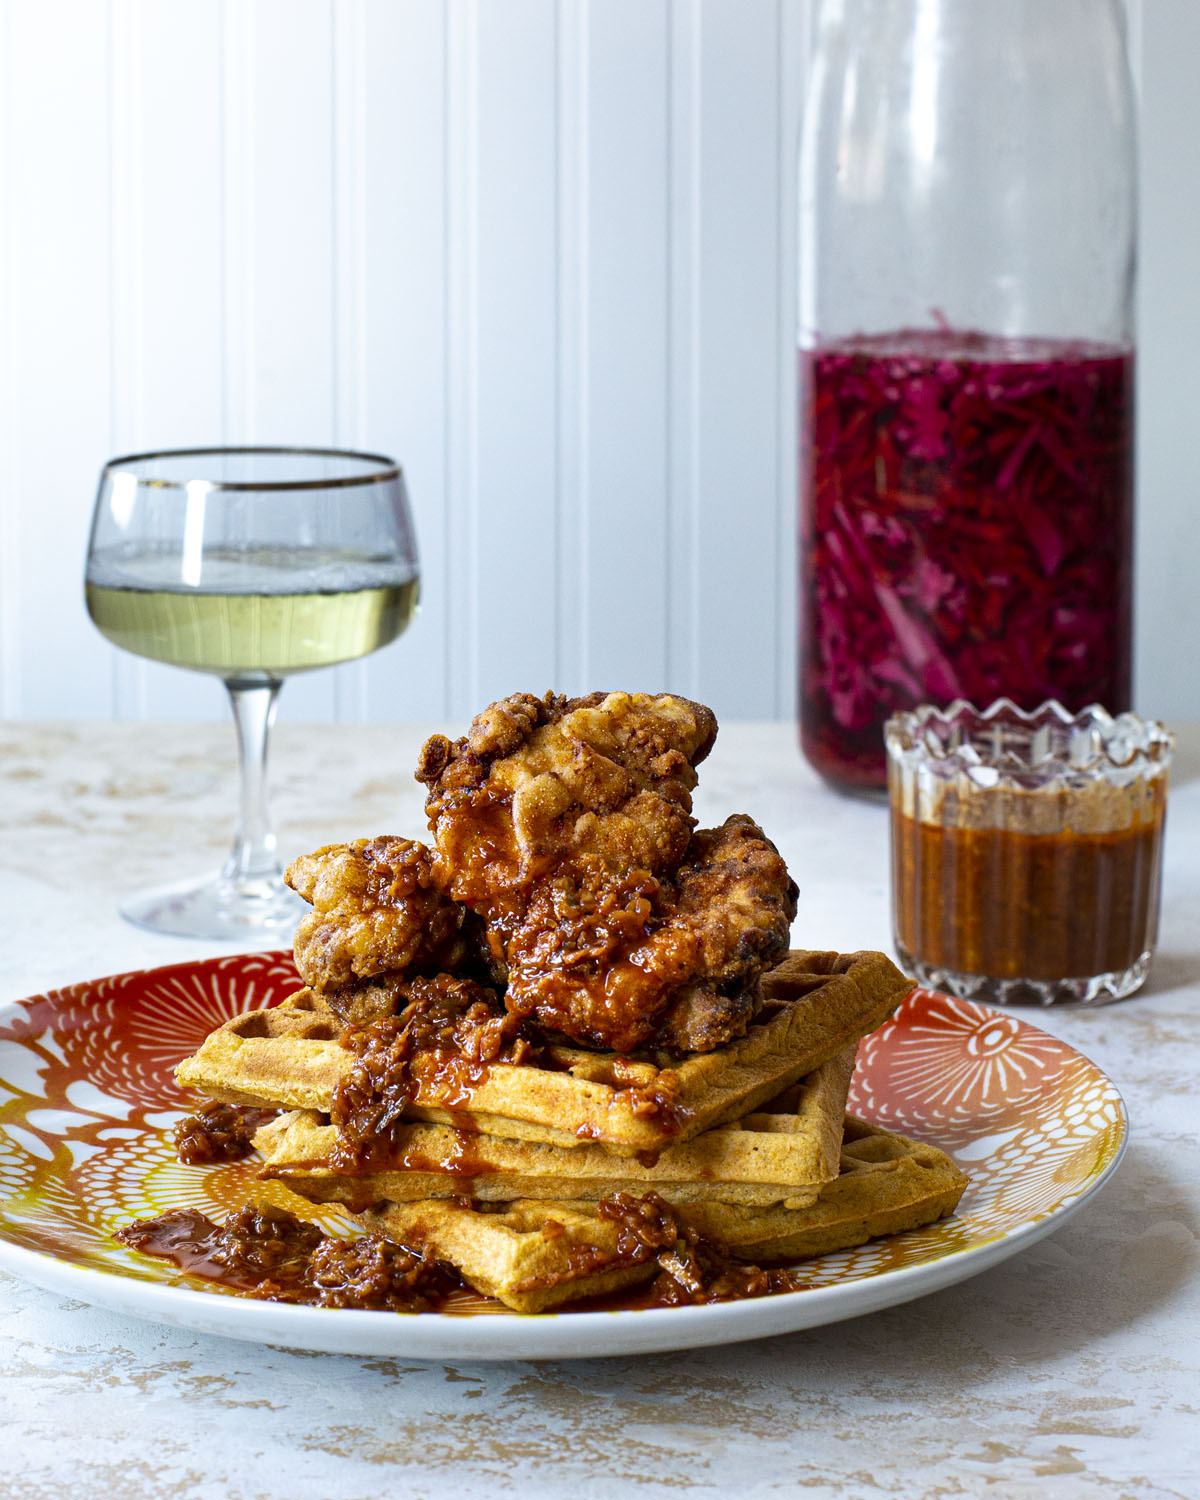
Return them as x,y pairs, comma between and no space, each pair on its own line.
87,1101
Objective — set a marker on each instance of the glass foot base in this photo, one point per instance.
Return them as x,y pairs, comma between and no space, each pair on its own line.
217,908
1095,989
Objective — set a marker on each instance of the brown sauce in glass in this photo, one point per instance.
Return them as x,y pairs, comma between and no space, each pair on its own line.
1011,905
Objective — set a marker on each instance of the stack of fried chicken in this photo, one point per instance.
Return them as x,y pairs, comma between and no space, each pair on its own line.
563,1047
567,872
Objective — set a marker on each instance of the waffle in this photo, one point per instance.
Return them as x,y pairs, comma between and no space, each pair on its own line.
780,1155
817,1005
531,1256
887,1184
535,1255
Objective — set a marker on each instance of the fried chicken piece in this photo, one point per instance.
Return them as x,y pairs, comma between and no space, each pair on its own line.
566,825
539,781
376,911
364,1002
672,962
735,892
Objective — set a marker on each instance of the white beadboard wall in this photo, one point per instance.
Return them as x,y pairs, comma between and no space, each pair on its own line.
541,251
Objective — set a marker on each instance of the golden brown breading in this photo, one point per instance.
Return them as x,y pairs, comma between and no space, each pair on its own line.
671,961
536,781
566,825
734,890
565,855
377,911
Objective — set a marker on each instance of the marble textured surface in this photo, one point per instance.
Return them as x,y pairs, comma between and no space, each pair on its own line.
1071,1370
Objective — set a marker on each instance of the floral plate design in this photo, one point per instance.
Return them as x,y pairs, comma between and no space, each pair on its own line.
88,1098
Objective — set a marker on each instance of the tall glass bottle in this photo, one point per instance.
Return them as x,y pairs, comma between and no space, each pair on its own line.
967,254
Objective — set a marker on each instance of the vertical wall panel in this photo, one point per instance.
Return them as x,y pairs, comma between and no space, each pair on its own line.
167,79
348,207
626,214
289,250
793,59
57,340
573,120
402,407
683,350
738,299
461,611
286,198
239,223
1168,471
10,534
505,584
128,44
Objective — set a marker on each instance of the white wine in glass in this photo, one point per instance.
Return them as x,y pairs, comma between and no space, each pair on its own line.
249,564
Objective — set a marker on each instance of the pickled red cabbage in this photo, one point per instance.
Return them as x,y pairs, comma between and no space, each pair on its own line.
966,532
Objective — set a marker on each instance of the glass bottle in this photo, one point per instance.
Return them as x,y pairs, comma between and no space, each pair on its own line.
967,260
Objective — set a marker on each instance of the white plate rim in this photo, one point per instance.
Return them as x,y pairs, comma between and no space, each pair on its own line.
576,1335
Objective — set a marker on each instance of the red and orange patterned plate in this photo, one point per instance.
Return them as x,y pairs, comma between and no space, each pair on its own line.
87,1101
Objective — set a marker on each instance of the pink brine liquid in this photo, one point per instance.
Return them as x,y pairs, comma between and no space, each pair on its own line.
966,527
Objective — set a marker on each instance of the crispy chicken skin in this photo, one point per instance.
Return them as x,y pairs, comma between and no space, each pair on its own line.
536,781
566,826
670,961
565,870
376,911
734,892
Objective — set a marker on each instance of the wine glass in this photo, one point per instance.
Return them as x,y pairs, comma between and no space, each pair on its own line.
250,564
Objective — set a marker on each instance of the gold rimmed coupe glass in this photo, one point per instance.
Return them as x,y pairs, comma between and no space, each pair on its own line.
250,564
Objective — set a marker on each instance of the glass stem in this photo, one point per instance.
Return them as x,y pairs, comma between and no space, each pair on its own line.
253,865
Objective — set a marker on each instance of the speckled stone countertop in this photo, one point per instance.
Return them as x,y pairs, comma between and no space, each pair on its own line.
1070,1370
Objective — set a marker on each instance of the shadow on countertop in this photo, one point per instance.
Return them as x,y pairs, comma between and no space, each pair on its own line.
1168,971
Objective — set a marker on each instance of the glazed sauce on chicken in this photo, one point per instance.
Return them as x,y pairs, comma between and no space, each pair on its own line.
439,1049
566,827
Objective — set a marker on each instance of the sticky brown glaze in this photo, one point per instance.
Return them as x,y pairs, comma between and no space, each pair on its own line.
438,1050
270,1254
218,1132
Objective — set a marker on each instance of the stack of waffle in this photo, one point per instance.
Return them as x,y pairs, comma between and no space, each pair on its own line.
512,1176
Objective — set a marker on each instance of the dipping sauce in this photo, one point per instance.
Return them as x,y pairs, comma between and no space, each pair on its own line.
1026,905
1027,849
